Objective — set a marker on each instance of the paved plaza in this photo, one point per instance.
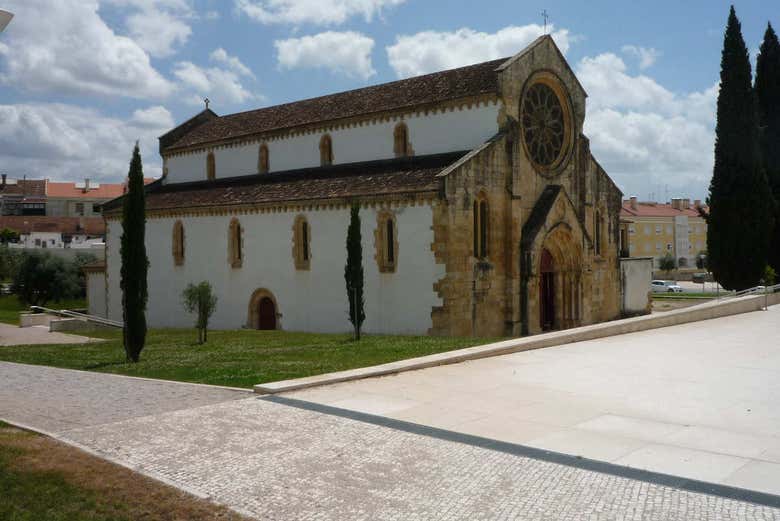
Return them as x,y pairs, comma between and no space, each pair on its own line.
291,457
14,335
698,400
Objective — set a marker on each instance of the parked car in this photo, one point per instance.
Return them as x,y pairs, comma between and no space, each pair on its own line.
665,286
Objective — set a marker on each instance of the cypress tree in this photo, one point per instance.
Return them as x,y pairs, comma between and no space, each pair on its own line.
353,272
768,95
741,207
134,261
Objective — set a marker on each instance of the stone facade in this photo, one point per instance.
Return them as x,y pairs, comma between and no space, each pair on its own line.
499,295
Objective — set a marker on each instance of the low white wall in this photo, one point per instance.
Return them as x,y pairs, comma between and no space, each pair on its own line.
313,300
636,273
429,134
96,294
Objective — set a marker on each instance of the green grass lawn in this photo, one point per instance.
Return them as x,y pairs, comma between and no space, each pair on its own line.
10,307
234,358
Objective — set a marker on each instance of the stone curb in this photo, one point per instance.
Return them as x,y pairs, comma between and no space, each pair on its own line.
705,311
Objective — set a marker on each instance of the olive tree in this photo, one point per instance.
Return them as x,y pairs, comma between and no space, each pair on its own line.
201,300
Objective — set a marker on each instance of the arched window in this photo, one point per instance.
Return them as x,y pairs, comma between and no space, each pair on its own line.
597,234
326,150
262,159
302,243
178,243
401,145
386,239
481,226
211,167
235,244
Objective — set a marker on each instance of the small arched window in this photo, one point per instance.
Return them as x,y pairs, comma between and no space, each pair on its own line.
262,160
326,150
178,243
386,238
597,234
481,226
235,244
211,167
401,145
302,243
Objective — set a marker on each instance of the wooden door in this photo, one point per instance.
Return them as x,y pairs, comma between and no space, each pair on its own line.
267,314
547,292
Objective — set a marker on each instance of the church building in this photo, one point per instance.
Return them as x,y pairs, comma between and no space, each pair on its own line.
483,212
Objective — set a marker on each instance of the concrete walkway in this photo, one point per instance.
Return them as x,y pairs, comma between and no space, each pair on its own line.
698,400
279,458
13,335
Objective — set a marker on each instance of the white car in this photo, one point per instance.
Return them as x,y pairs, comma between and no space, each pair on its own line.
665,286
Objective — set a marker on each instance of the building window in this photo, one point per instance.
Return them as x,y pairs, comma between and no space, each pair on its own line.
401,145
96,208
386,240
326,150
262,159
79,208
481,226
302,243
235,244
658,229
211,167
597,234
669,246
178,243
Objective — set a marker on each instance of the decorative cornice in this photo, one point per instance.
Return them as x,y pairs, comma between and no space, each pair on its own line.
374,201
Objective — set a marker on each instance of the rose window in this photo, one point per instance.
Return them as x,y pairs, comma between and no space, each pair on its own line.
543,122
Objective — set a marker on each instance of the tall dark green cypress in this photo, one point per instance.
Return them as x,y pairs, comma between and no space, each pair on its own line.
353,272
768,94
135,264
741,206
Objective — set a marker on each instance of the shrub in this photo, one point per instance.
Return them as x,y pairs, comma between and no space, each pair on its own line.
200,299
43,277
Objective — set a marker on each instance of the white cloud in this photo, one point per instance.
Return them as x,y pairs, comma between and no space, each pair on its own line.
647,55
66,47
223,87
431,51
647,137
316,12
158,32
67,142
347,53
233,63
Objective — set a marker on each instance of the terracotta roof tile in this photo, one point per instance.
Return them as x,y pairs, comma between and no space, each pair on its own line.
463,82
644,209
386,177
103,191
42,223
25,187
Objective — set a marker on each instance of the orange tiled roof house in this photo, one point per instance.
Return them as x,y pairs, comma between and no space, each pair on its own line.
483,211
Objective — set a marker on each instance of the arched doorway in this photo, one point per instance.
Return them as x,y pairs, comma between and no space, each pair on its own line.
547,291
263,311
266,314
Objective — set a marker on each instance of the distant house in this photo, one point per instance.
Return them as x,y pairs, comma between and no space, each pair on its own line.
86,233
22,196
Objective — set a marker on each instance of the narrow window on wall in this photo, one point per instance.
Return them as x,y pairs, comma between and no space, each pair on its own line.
326,150
401,145
301,243
234,244
481,221
262,160
597,234
211,167
386,240
178,243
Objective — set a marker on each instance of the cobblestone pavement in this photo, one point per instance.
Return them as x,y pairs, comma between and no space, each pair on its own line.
274,461
54,399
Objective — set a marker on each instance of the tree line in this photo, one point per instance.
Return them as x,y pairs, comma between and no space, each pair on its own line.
743,232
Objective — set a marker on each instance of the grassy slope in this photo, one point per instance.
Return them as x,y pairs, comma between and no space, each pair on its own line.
234,358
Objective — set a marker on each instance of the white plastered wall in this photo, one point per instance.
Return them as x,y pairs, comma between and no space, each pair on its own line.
434,133
313,300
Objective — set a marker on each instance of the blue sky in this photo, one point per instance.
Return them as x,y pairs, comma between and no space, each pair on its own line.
80,80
